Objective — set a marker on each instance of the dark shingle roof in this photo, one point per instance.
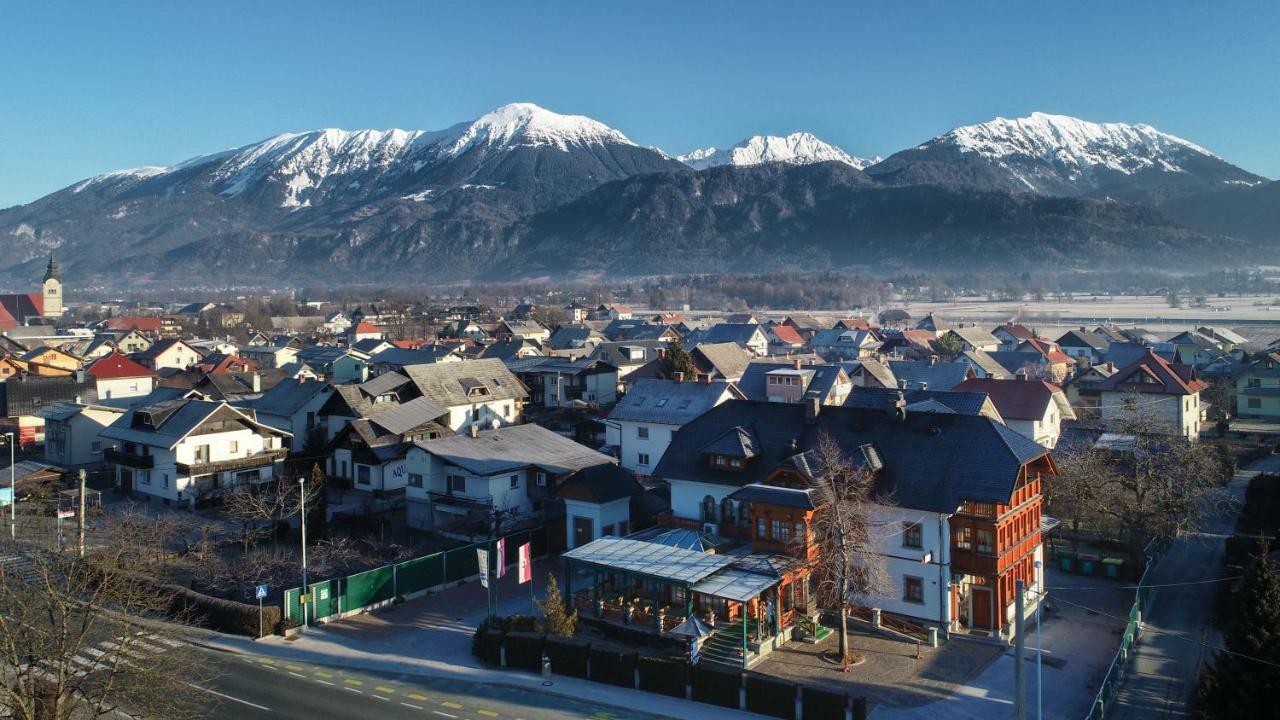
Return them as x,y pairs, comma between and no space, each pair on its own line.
600,484
964,403
929,461
937,375
666,401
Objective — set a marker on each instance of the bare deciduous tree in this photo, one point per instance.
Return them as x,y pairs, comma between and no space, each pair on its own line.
849,566
69,645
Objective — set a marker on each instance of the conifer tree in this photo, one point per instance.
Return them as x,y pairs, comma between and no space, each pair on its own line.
556,619
1244,681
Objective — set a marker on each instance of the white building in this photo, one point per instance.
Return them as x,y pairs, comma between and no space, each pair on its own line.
73,433
460,484
475,393
116,376
293,405
644,421
186,451
597,503
1153,388
1033,408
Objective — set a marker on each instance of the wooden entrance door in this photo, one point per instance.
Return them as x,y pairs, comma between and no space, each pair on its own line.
981,615
583,531
126,481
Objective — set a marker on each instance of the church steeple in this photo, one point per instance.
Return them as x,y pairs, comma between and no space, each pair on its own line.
52,272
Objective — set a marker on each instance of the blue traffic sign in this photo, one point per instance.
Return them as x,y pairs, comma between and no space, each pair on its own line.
261,592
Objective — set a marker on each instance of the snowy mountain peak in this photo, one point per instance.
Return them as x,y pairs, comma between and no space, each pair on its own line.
1074,142
800,148
526,124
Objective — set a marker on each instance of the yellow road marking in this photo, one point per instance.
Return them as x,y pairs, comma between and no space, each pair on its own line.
417,696
322,673
266,661
291,666
351,681
488,713
385,689
452,705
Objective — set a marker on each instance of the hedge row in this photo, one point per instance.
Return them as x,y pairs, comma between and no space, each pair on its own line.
185,604
663,676
715,686
524,650
568,656
770,696
818,703
613,667
488,646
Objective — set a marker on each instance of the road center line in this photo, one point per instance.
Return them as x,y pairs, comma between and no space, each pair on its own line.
325,682
354,690
381,697
228,697
444,714
411,705
297,674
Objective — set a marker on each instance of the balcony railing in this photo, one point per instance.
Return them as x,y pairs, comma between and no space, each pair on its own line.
464,501
262,459
119,457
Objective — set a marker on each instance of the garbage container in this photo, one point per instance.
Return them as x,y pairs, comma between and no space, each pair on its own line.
1067,561
1113,566
1088,564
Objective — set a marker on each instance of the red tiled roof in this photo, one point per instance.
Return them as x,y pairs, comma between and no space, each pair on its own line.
364,327
116,365
787,334
1050,351
142,324
1169,378
1014,399
16,309
1021,332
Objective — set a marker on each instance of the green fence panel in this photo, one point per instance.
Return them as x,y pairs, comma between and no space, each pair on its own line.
370,587
420,573
324,598
292,608
460,563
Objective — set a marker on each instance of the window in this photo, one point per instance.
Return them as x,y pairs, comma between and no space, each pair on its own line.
661,403
912,537
718,460
96,447
964,538
622,528
708,509
164,480
457,483
780,531
415,480
642,458
202,453
760,529
506,411
235,446
726,510
344,469
913,589
735,463
642,432
542,479
800,533
311,420
1255,403
1255,382
362,474
145,477
515,481
986,542
607,530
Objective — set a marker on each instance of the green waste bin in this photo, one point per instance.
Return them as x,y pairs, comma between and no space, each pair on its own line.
1067,561
1088,564
1112,566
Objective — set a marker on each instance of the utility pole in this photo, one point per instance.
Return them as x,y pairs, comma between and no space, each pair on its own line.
1039,648
83,510
302,497
1019,691
13,488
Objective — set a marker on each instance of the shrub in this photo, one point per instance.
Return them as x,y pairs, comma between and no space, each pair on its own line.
568,657
613,667
663,676
819,703
556,618
488,646
524,650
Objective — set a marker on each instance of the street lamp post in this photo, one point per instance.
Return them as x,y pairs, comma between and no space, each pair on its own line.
302,496
12,440
1039,647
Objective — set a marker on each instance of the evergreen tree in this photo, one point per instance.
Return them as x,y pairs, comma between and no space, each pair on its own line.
1243,682
556,618
677,359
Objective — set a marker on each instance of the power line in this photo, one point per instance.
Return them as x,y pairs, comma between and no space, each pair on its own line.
1139,587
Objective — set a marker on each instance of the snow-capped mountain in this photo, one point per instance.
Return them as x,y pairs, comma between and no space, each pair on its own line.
297,170
1061,155
800,148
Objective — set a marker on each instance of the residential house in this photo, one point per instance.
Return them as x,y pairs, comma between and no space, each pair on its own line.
73,433
572,337
397,359
845,344
523,311
930,374
642,423
1011,335
784,339
171,353
558,382
476,393
748,335
1257,389
1033,408
188,451
1088,348
116,376
335,323
720,361
1228,340
914,401
872,373
24,396
464,485
577,312
611,312
336,364
1083,393
523,329
47,360
933,324
364,331
791,381
514,348
972,337
129,342
628,356
597,503
806,325
370,346
1193,348
968,527
1053,364
369,453
295,406
984,365
1153,388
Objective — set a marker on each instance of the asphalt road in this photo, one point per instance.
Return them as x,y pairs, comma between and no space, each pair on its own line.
249,687
1167,660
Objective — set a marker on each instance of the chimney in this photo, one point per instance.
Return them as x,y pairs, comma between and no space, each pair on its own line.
924,384
798,362
474,430
898,410
256,379
812,406
677,376
933,360
902,384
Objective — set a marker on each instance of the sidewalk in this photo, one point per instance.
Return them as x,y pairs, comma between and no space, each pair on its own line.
431,637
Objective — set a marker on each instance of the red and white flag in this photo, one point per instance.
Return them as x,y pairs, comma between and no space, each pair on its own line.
526,564
501,561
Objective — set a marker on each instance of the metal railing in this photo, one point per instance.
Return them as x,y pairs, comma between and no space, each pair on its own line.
1119,668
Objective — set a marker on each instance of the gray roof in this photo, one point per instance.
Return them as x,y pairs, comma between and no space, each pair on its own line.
615,353
1084,338
728,359
653,560
426,355
938,375
403,417
321,355
667,402
983,360
513,447
383,384
452,384
734,584
754,384
571,336
740,333
560,365
166,423
775,495
975,335
600,484
66,409
28,394
965,403
288,396
878,369
927,461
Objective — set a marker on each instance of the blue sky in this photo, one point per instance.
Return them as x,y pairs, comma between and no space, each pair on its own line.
90,87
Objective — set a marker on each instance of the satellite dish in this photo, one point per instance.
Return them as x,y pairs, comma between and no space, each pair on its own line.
495,423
